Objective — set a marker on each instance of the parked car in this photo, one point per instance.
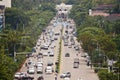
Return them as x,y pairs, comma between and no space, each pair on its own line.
66,74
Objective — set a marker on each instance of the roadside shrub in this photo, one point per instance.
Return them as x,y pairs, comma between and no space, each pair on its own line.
105,75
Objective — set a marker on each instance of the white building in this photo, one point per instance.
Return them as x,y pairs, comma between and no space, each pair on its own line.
6,3
63,10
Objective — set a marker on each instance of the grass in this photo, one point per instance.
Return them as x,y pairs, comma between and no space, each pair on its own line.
59,56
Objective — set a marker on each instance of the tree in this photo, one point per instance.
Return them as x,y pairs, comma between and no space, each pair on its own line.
7,67
88,35
15,17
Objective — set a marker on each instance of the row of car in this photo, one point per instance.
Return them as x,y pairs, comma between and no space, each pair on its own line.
32,67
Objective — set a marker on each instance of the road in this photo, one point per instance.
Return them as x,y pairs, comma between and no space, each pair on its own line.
84,71
42,40
66,64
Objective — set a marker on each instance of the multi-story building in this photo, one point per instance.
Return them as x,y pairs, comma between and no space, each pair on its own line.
3,5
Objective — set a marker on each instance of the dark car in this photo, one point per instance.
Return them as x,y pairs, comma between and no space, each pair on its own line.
40,78
67,55
49,63
40,55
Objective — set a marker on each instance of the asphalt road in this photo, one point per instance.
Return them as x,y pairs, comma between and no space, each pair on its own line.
66,64
84,72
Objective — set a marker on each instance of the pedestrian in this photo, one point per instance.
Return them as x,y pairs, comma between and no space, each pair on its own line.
26,64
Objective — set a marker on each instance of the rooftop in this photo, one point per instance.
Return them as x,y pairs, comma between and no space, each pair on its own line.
103,7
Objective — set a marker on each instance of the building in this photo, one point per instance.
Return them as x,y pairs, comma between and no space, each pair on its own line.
3,4
2,17
63,10
6,3
103,10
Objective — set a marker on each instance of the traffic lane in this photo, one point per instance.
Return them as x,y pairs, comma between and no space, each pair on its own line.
47,59
83,71
24,68
67,62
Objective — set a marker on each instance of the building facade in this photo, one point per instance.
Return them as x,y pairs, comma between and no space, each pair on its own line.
63,10
3,4
6,3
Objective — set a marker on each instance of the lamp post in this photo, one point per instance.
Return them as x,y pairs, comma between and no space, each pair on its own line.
15,52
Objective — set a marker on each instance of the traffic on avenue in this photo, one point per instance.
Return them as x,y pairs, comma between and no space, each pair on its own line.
57,41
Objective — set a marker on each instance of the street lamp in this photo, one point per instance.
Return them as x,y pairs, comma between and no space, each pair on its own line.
15,51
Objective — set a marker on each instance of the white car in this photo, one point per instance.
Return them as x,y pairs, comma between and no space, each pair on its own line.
20,75
17,75
39,70
39,65
45,54
32,64
49,70
31,70
40,62
66,78
46,46
66,74
51,53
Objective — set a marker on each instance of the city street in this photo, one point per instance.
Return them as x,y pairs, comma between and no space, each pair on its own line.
66,64
48,46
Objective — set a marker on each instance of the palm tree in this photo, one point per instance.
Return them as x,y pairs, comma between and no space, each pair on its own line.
9,38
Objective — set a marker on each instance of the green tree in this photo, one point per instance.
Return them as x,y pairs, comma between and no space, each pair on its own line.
15,17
